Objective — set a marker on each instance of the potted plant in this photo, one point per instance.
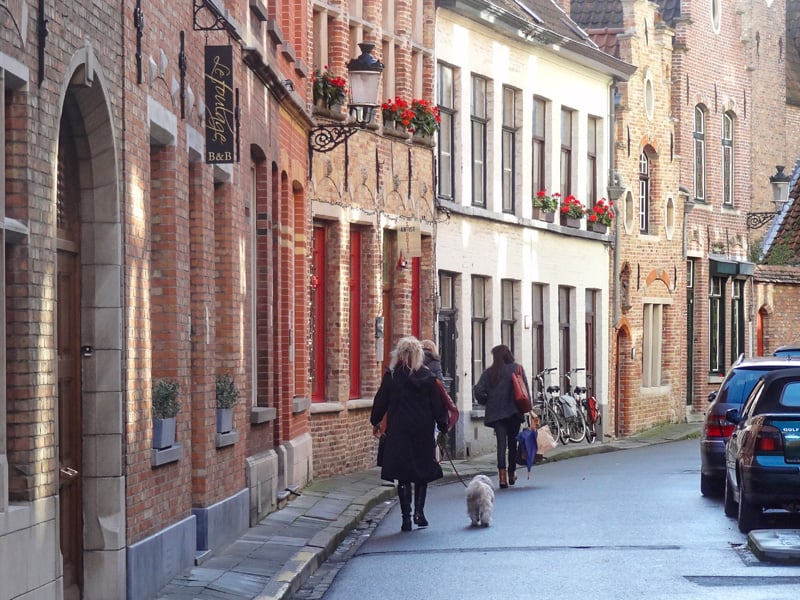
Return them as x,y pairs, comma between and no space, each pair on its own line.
165,409
572,211
601,216
426,119
545,205
397,115
227,396
329,90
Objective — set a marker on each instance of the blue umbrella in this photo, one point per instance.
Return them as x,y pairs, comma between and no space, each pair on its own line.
527,439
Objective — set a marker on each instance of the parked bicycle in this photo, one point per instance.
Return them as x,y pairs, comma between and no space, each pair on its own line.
545,405
571,405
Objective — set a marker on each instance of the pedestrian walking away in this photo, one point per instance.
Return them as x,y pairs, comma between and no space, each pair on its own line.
432,359
409,398
495,391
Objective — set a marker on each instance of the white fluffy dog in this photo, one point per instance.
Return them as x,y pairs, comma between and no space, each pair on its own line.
480,500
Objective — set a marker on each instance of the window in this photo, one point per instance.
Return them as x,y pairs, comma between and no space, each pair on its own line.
537,327
649,96
564,331
566,152
318,290
478,327
446,101
652,343
591,321
479,119
699,135
509,317
592,186
538,146
737,319
716,15
355,286
509,148
644,193
727,159
716,333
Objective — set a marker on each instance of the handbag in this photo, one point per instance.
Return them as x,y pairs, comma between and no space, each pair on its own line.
545,439
449,405
521,396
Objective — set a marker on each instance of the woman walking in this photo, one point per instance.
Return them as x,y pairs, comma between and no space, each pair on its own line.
409,398
496,391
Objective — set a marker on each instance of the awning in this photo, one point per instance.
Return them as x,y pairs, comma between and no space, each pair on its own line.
720,266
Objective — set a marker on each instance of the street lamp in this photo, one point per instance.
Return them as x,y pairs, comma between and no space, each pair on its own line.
364,76
780,195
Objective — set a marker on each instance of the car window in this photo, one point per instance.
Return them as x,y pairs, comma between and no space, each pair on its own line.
737,388
795,352
752,400
790,396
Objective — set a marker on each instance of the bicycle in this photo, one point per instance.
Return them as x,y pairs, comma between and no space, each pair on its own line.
545,403
573,409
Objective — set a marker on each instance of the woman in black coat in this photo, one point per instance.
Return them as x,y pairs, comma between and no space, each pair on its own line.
409,397
496,391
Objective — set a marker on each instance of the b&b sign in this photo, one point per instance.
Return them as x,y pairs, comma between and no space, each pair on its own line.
220,128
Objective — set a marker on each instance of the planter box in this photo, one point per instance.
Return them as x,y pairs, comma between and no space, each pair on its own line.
574,223
423,139
395,129
599,228
541,215
163,433
224,420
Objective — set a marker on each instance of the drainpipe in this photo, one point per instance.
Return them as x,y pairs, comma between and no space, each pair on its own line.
616,187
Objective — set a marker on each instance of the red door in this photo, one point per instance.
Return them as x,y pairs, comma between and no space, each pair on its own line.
69,368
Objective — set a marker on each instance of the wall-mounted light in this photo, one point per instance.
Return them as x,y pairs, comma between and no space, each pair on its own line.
780,196
365,77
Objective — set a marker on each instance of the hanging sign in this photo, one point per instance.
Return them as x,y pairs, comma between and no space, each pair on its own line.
220,124
409,240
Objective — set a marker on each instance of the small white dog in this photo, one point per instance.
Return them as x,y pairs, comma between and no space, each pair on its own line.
480,500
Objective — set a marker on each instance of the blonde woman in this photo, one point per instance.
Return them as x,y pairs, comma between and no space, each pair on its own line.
409,398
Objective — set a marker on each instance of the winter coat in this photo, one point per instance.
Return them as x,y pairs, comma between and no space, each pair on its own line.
498,397
433,362
412,406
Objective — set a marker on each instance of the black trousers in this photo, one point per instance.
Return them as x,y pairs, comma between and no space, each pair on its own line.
506,432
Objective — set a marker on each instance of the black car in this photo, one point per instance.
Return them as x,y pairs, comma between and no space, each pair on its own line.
762,456
732,392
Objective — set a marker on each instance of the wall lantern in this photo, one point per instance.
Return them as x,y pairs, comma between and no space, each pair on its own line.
364,78
780,196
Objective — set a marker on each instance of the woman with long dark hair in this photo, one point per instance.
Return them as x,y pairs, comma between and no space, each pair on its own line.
496,391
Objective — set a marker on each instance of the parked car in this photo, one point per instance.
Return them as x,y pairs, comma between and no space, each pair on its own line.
732,392
762,456
792,349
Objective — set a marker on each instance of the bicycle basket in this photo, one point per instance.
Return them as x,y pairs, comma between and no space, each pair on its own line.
568,406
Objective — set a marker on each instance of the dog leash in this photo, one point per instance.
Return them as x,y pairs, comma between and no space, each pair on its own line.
446,452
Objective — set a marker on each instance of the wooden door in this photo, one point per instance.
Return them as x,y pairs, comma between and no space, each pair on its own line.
68,329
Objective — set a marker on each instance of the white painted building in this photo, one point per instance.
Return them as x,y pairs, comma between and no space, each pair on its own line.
525,99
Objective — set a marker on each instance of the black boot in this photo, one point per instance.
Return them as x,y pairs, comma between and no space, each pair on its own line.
420,491
404,494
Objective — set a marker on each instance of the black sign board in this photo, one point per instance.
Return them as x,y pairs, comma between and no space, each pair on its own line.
220,123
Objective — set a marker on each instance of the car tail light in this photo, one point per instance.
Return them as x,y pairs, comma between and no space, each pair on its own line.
718,426
768,439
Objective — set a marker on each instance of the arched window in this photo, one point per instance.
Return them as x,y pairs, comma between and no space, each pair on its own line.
644,193
727,159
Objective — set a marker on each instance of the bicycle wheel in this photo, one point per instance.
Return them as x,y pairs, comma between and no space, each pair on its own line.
577,428
550,419
563,424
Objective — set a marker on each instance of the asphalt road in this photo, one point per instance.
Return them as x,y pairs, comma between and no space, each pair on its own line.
621,525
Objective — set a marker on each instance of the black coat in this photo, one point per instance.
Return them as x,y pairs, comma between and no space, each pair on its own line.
433,362
498,397
412,404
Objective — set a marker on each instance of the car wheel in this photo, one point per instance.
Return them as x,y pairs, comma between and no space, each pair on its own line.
731,510
709,486
749,514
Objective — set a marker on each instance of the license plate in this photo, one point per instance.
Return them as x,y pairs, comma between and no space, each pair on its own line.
791,441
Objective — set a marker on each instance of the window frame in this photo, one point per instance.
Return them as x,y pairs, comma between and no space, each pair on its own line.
716,325
565,158
644,193
508,313
538,146
699,146
479,125
728,164
478,287
508,149
593,128
445,148
652,343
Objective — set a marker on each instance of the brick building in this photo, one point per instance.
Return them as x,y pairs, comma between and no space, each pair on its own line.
374,223
129,256
649,293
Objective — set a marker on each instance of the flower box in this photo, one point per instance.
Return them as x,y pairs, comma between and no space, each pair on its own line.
600,228
573,222
543,215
